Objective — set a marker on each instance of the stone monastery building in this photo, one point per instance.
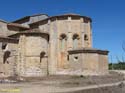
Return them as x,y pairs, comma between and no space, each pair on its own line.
40,45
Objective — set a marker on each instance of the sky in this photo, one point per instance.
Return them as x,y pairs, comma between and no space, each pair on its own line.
108,25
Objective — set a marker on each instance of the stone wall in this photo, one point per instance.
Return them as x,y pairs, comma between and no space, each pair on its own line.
88,63
46,51
8,62
3,28
4,31
31,62
70,27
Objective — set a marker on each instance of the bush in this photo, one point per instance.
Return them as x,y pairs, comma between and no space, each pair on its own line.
117,66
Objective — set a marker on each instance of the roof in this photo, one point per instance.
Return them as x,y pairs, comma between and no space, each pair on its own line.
8,39
18,25
30,32
88,50
71,14
64,15
3,21
27,17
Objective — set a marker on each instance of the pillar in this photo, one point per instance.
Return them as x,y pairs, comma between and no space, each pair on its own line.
69,41
82,32
53,49
21,56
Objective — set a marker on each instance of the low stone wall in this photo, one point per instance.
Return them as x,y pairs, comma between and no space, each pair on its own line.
88,62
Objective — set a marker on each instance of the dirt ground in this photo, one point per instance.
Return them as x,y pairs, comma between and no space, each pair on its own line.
68,84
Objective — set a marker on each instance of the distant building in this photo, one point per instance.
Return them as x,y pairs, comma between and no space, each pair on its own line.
40,45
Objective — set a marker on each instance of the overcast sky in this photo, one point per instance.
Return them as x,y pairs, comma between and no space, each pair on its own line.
108,17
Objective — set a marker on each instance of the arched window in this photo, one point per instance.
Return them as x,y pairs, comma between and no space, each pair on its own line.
4,45
63,42
86,37
42,54
6,56
75,41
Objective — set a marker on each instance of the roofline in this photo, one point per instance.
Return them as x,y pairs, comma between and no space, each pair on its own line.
28,33
3,21
88,50
26,17
18,25
38,15
16,21
66,15
8,39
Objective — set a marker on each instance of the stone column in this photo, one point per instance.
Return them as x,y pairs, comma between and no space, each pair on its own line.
82,32
21,56
89,34
69,41
83,40
53,48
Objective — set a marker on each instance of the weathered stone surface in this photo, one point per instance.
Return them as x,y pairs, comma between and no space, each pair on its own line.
44,49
